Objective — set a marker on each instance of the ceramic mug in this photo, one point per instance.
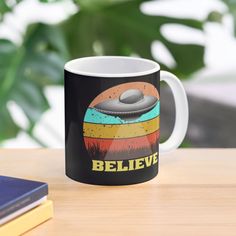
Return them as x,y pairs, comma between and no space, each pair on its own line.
112,119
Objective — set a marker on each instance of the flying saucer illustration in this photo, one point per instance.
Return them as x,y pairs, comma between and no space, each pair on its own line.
130,105
123,122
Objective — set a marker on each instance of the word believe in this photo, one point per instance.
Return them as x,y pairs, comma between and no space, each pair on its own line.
129,165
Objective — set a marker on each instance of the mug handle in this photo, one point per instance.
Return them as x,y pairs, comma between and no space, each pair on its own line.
181,110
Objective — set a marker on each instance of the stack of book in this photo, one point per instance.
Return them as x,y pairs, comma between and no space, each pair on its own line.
23,205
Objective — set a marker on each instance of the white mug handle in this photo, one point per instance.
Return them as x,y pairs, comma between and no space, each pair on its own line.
181,110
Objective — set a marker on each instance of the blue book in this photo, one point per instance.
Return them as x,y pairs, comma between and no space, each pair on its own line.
17,194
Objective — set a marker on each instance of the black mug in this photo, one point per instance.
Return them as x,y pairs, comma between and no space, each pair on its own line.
112,119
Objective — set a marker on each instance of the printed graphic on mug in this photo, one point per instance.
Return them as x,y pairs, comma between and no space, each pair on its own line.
122,123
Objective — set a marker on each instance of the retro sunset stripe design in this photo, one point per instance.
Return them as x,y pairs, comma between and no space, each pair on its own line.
114,145
108,137
121,131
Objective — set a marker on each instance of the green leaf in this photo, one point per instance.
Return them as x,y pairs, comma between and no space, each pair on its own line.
7,6
25,70
232,9
215,16
120,28
31,99
8,128
4,7
91,5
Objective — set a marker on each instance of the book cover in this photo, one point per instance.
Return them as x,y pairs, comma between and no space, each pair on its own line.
29,220
17,193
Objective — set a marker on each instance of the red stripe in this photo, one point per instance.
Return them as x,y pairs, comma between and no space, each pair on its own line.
122,144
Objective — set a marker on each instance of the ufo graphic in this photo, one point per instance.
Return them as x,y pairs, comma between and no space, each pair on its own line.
130,105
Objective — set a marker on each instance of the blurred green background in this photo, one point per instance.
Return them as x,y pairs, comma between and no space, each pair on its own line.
34,61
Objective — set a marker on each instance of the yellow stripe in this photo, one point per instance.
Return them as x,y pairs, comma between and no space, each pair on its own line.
121,131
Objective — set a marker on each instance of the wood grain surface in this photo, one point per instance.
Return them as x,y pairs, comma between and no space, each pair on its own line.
194,194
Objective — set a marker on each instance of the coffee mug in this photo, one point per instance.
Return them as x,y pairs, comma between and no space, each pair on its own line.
112,119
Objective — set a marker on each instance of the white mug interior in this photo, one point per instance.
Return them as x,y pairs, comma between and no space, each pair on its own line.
112,66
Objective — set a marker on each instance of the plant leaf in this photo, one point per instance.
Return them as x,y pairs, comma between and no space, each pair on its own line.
8,128
122,29
26,70
7,6
232,9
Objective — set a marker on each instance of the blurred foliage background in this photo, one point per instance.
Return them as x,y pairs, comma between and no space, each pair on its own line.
96,27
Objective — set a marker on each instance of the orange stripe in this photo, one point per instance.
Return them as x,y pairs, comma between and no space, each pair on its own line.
122,144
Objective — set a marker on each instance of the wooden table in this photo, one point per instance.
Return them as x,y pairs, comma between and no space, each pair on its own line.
194,194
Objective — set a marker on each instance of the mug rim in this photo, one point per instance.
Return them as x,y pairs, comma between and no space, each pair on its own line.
70,67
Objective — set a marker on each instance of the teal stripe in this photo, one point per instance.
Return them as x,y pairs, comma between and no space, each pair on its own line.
93,116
